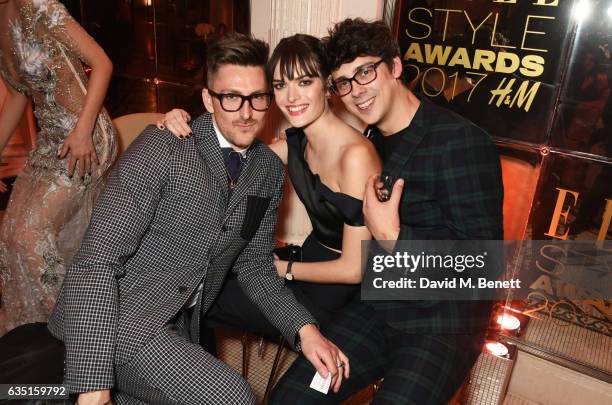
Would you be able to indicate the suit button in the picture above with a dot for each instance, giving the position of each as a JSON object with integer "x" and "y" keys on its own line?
{"x": 225, "y": 228}
{"x": 182, "y": 289}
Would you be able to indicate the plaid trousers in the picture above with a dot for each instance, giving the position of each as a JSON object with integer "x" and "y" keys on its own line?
{"x": 418, "y": 369}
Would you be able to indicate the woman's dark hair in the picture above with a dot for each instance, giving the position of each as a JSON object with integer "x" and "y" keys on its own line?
{"x": 235, "y": 49}
{"x": 298, "y": 55}
{"x": 352, "y": 38}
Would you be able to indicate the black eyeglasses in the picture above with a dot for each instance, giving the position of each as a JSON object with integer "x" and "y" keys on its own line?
{"x": 365, "y": 75}
{"x": 232, "y": 102}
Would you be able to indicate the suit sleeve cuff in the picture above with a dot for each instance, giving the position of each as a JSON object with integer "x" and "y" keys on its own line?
{"x": 295, "y": 342}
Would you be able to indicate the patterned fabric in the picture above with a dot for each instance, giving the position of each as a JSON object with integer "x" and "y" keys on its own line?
{"x": 453, "y": 190}
{"x": 423, "y": 349}
{"x": 165, "y": 223}
{"x": 48, "y": 211}
{"x": 151, "y": 376}
{"x": 233, "y": 163}
{"x": 419, "y": 369}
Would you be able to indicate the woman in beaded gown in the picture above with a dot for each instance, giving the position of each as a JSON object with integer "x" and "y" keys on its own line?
{"x": 41, "y": 53}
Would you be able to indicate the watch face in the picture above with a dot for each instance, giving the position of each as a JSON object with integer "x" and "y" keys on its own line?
{"x": 289, "y": 276}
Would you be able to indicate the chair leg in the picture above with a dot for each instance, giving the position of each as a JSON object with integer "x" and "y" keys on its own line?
{"x": 279, "y": 351}
{"x": 260, "y": 347}
{"x": 245, "y": 354}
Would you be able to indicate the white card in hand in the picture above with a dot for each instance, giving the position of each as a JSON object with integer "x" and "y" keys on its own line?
{"x": 321, "y": 384}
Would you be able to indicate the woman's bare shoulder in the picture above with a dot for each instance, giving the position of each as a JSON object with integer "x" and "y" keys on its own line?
{"x": 280, "y": 148}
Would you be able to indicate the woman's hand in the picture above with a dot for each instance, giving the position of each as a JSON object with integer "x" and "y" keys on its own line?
{"x": 176, "y": 122}
{"x": 79, "y": 143}
{"x": 281, "y": 266}
{"x": 81, "y": 149}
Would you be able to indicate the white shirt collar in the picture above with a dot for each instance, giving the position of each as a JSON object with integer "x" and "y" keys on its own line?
{"x": 224, "y": 143}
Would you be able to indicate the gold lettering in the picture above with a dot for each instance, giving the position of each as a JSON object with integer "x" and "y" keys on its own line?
{"x": 554, "y": 3}
{"x": 484, "y": 58}
{"x": 437, "y": 54}
{"x": 552, "y": 259}
{"x": 533, "y": 66}
{"x": 524, "y": 95}
{"x": 605, "y": 224}
{"x": 502, "y": 94}
{"x": 439, "y": 76}
{"x": 482, "y": 77}
{"x": 414, "y": 52}
{"x": 533, "y": 32}
{"x": 472, "y": 25}
{"x": 542, "y": 283}
{"x": 505, "y": 1}
{"x": 571, "y": 291}
{"x": 558, "y": 213}
{"x": 419, "y": 23}
{"x": 446, "y": 19}
{"x": 501, "y": 65}
{"x": 461, "y": 57}
{"x": 493, "y": 35}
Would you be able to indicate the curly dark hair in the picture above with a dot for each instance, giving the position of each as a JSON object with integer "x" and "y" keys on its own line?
{"x": 352, "y": 38}
{"x": 299, "y": 54}
{"x": 235, "y": 49}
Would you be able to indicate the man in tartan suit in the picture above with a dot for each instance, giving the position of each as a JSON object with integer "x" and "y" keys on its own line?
{"x": 449, "y": 188}
{"x": 174, "y": 219}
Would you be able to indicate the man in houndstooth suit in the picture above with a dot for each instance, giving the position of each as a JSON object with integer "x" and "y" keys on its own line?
{"x": 171, "y": 224}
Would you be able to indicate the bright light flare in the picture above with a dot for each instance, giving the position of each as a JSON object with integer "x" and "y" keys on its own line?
{"x": 582, "y": 10}
{"x": 497, "y": 349}
{"x": 508, "y": 322}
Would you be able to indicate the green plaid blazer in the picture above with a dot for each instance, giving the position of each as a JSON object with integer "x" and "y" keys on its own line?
{"x": 453, "y": 190}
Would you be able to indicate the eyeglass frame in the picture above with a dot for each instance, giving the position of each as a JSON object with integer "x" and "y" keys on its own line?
{"x": 350, "y": 80}
{"x": 219, "y": 96}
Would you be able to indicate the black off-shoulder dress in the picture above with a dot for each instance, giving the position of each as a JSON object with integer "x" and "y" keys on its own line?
{"x": 328, "y": 212}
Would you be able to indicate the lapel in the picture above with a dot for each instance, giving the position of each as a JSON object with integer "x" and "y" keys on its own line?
{"x": 411, "y": 138}
{"x": 210, "y": 151}
{"x": 251, "y": 168}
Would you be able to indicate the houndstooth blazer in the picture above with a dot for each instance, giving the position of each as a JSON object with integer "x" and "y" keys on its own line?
{"x": 166, "y": 222}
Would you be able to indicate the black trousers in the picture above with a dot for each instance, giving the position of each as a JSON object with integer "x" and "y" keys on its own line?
{"x": 29, "y": 354}
{"x": 324, "y": 301}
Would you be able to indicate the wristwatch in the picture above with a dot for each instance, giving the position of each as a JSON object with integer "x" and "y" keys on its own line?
{"x": 288, "y": 273}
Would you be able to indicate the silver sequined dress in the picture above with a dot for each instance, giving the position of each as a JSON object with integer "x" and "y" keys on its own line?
{"x": 48, "y": 211}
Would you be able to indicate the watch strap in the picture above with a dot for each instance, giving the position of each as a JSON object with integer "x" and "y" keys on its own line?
{"x": 288, "y": 273}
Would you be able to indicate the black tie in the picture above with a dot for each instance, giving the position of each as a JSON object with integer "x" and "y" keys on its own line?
{"x": 233, "y": 164}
